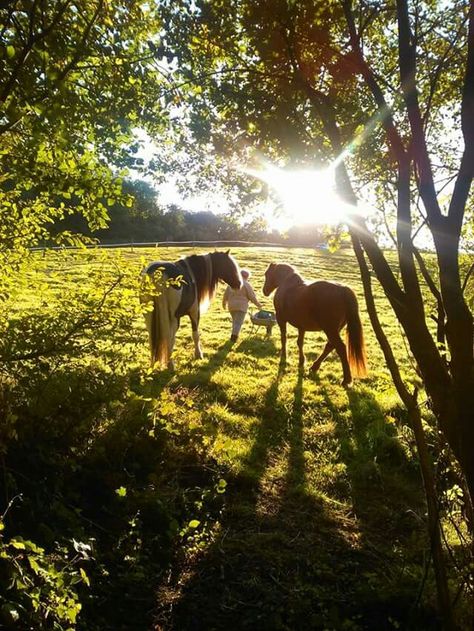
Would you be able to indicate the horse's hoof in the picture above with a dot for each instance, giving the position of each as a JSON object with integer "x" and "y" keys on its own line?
{"x": 347, "y": 384}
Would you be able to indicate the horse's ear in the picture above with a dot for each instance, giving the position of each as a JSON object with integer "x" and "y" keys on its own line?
{"x": 228, "y": 252}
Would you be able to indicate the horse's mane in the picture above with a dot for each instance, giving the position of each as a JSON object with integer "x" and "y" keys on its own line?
{"x": 286, "y": 266}
{"x": 289, "y": 271}
{"x": 205, "y": 276}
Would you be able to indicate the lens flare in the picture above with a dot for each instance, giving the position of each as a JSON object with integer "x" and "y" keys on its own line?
{"x": 307, "y": 196}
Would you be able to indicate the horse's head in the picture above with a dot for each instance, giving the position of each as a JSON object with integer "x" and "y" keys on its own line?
{"x": 270, "y": 280}
{"x": 275, "y": 274}
{"x": 227, "y": 269}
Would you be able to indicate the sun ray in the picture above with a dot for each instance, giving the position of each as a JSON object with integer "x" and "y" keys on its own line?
{"x": 308, "y": 196}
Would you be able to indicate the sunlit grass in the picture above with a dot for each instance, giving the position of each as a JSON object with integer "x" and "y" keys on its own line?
{"x": 314, "y": 471}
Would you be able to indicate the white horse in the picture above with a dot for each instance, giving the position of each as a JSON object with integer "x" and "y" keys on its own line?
{"x": 182, "y": 288}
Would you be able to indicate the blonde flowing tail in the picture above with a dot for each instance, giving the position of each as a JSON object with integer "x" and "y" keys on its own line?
{"x": 355, "y": 336}
{"x": 155, "y": 295}
{"x": 160, "y": 330}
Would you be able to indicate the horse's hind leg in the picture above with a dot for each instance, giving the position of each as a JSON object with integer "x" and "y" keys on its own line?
{"x": 198, "y": 354}
{"x": 342, "y": 352}
{"x": 174, "y": 326}
{"x": 301, "y": 333}
{"x": 194, "y": 317}
{"x": 317, "y": 364}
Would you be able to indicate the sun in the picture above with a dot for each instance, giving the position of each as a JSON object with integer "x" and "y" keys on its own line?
{"x": 307, "y": 196}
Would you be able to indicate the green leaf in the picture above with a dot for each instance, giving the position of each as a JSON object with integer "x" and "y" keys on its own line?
{"x": 19, "y": 545}
{"x": 85, "y": 578}
{"x": 194, "y": 523}
{"x": 11, "y": 611}
{"x": 34, "y": 565}
{"x": 221, "y": 486}
{"x": 10, "y": 51}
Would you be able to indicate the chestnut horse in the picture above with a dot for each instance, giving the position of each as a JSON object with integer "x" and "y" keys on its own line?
{"x": 183, "y": 288}
{"x": 319, "y": 306}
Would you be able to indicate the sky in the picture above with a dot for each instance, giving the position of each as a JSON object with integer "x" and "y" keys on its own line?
{"x": 300, "y": 197}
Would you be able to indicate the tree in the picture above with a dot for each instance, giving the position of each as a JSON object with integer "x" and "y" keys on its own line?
{"x": 75, "y": 79}
{"x": 384, "y": 91}
{"x": 283, "y": 75}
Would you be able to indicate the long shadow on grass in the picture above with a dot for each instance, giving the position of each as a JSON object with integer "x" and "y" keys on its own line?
{"x": 296, "y": 465}
{"x": 281, "y": 561}
{"x": 201, "y": 373}
{"x": 373, "y": 455}
{"x": 386, "y": 496}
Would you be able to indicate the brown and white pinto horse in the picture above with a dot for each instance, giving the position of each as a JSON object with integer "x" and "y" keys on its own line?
{"x": 182, "y": 288}
{"x": 319, "y": 306}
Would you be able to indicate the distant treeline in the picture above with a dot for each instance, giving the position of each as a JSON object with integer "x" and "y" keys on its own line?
{"x": 145, "y": 221}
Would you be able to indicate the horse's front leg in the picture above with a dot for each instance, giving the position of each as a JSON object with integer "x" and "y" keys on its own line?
{"x": 301, "y": 361}
{"x": 282, "y": 325}
{"x": 194, "y": 316}
{"x": 198, "y": 354}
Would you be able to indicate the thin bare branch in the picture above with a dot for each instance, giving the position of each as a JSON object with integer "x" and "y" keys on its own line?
{"x": 407, "y": 61}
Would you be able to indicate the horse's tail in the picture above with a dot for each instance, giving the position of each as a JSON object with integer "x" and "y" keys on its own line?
{"x": 160, "y": 330}
{"x": 155, "y": 295}
{"x": 355, "y": 336}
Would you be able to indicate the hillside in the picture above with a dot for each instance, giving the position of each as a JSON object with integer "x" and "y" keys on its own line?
{"x": 227, "y": 495}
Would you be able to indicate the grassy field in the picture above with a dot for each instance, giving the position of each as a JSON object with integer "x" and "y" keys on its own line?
{"x": 229, "y": 494}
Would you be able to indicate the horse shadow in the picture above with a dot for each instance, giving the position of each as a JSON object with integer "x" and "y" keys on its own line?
{"x": 296, "y": 462}
{"x": 257, "y": 346}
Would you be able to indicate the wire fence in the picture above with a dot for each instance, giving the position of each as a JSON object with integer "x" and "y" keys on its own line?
{"x": 178, "y": 244}
{"x": 328, "y": 267}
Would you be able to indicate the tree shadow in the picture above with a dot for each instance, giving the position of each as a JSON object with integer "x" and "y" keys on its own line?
{"x": 388, "y": 503}
{"x": 282, "y": 560}
{"x": 369, "y": 445}
{"x": 202, "y": 371}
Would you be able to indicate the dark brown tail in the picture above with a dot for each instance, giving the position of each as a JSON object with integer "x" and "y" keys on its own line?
{"x": 355, "y": 336}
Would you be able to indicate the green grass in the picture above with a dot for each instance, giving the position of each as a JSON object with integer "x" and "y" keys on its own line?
{"x": 321, "y": 525}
